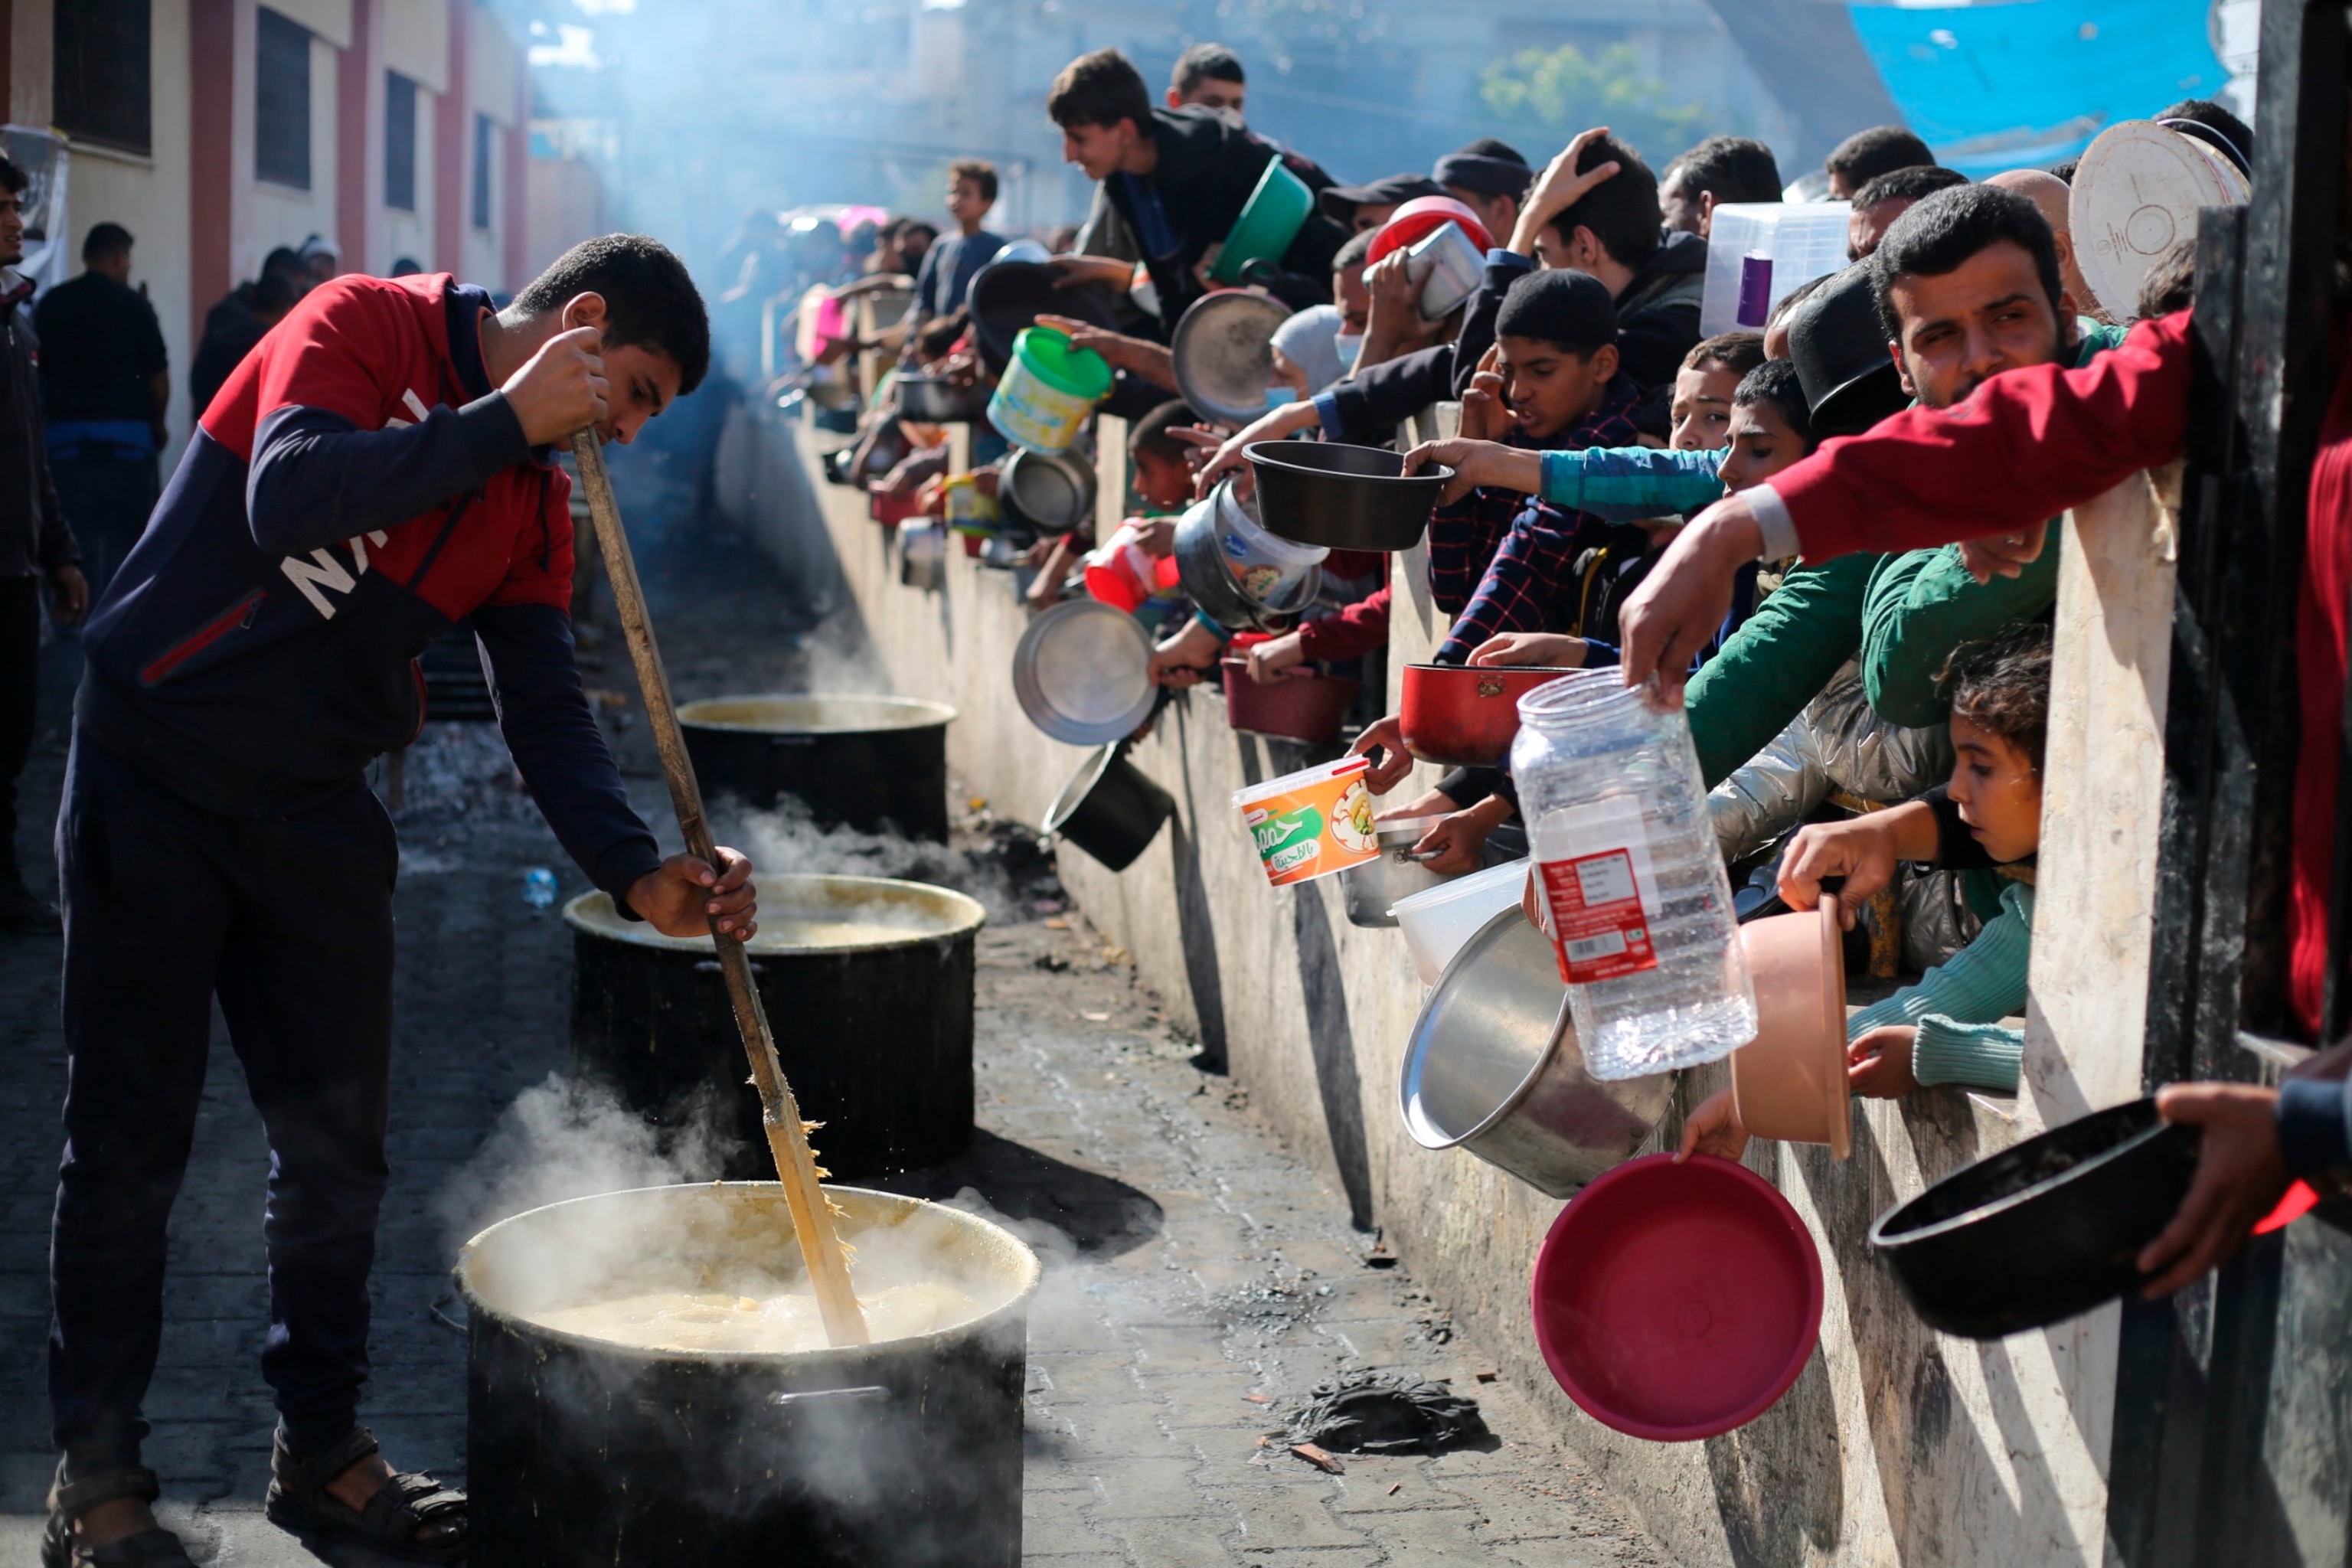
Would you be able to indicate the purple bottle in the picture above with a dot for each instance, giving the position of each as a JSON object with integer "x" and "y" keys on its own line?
{"x": 1755, "y": 289}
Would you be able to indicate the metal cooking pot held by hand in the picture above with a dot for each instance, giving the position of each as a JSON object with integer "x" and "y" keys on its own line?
{"x": 1054, "y": 491}
{"x": 1374, "y": 887}
{"x": 1082, "y": 671}
{"x": 1464, "y": 715}
{"x": 1208, "y": 579}
{"x": 1493, "y": 1066}
{"x": 1110, "y": 808}
{"x": 1223, "y": 355}
{"x": 1349, "y": 498}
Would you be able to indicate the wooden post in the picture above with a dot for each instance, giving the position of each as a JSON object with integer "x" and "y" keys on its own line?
{"x": 845, "y": 1323}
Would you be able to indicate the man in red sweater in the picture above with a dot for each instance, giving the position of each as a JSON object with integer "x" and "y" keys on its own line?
{"x": 2023, "y": 446}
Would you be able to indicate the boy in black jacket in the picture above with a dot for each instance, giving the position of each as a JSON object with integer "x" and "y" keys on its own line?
{"x": 1179, "y": 177}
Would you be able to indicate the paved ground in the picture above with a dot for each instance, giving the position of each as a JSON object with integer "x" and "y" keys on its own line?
{"x": 1200, "y": 1277}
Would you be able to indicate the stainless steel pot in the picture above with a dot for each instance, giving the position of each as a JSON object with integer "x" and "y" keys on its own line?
{"x": 1210, "y": 582}
{"x": 1055, "y": 491}
{"x": 1493, "y": 1067}
{"x": 1222, "y": 352}
{"x": 922, "y": 553}
{"x": 1372, "y": 887}
{"x": 1082, "y": 671}
{"x": 1450, "y": 266}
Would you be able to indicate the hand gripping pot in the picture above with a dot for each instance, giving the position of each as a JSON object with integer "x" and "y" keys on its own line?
{"x": 1638, "y": 903}
{"x": 1311, "y": 823}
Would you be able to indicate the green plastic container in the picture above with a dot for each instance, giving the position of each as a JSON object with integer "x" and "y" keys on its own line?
{"x": 1047, "y": 391}
{"x": 1270, "y": 220}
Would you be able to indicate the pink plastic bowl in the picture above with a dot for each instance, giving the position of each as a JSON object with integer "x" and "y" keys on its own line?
{"x": 1675, "y": 1303}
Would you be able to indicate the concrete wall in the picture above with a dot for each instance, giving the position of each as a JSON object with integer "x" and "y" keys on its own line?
{"x": 1896, "y": 1446}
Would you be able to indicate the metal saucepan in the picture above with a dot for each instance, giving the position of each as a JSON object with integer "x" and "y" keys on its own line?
{"x": 1110, "y": 808}
{"x": 936, "y": 400}
{"x": 1493, "y": 1066}
{"x": 1376, "y": 884}
{"x": 1082, "y": 671}
{"x": 1223, "y": 355}
{"x": 1349, "y": 498}
{"x": 1464, "y": 715}
{"x": 922, "y": 553}
{"x": 2043, "y": 1230}
{"x": 1450, "y": 266}
{"x": 1209, "y": 580}
{"x": 1054, "y": 491}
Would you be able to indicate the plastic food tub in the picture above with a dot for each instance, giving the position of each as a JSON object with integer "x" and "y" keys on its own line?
{"x": 1438, "y": 922}
{"x": 1311, "y": 823}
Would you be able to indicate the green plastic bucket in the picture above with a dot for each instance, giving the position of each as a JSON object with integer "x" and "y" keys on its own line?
{"x": 1047, "y": 390}
{"x": 1271, "y": 218}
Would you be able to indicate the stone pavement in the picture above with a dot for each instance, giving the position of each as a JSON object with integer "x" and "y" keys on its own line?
{"x": 1195, "y": 1269}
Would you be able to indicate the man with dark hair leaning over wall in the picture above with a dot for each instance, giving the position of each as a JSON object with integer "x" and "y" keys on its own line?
{"x": 1720, "y": 169}
{"x": 1866, "y": 154}
{"x": 380, "y": 467}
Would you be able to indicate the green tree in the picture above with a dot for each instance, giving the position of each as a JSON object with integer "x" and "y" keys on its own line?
{"x": 1565, "y": 91}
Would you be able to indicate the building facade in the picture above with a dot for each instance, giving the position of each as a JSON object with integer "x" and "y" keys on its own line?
{"x": 217, "y": 130}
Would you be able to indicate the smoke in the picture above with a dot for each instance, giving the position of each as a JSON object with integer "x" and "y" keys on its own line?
{"x": 563, "y": 1139}
{"x": 789, "y": 840}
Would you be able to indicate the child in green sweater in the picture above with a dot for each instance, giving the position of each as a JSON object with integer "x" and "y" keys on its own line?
{"x": 1946, "y": 1029}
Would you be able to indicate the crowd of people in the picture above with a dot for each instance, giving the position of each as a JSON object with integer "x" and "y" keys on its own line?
{"x": 1867, "y": 698}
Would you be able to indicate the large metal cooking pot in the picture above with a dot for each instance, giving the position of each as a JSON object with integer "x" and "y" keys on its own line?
{"x": 869, "y": 986}
{"x": 1208, "y": 580}
{"x": 587, "y": 1453}
{"x": 1349, "y": 498}
{"x": 1222, "y": 352}
{"x": 857, "y": 761}
{"x": 1082, "y": 672}
{"x": 936, "y": 400}
{"x": 1493, "y": 1066}
{"x": 1375, "y": 886}
{"x": 1464, "y": 715}
{"x": 1110, "y": 808}
{"x": 1054, "y": 491}
{"x": 2045, "y": 1229}
{"x": 1007, "y": 297}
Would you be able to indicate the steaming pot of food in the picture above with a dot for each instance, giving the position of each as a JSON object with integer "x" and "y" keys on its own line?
{"x": 869, "y": 982}
{"x": 647, "y": 1383}
{"x": 866, "y": 763}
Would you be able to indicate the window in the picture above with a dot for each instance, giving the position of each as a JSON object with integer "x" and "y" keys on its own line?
{"x": 281, "y": 109}
{"x": 399, "y": 142}
{"x": 482, "y": 171}
{"x": 101, "y": 64}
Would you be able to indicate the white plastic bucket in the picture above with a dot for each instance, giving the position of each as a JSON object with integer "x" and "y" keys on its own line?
{"x": 1437, "y": 923}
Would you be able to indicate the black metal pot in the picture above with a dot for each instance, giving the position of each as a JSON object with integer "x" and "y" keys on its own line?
{"x": 869, "y": 984}
{"x": 584, "y": 1454}
{"x": 866, "y": 763}
{"x": 2044, "y": 1230}
{"x": 1007, "y": 297}
{"x": 1349, "y": 498}
{"x": 1110, "y": 808}
{"x": 936, "y": 400}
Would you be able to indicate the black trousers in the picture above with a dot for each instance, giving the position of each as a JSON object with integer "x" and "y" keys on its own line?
{"x": 288, "y": 921}
{"x": 107, "y": 492}
{"x": 20, "y": 682}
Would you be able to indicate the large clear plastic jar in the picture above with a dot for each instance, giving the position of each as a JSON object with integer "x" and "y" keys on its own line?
{"x": 1639, "y": 905}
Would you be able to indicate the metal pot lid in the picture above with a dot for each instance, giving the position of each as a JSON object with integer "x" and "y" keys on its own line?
{"x": 813, "y": 713}
{"x": 805, "y": 914}
{"x": 1083, "y": 672}
{"x": 1223, "y": 355}
{"x": 2137, "y": 191}
{"x": 1053, "y": 491}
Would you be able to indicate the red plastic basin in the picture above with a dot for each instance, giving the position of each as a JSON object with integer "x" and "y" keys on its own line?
{"x": 1675, "y": 1303}
{"x": 1307, "y": 708}
{"x": 1464, "y": 715}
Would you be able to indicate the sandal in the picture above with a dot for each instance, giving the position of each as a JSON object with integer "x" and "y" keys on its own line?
{"x": 69, "y": 1501}
{"x": 413, "y": 1517}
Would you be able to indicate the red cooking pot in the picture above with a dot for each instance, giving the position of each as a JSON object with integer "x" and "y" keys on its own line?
{"x": 1306, "y": 708}
{"x": 891, "y": 510}
{"x": 1464, "y": 715}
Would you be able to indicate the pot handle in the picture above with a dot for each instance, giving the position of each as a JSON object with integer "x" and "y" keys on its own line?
{"x": 866, "y": 1391}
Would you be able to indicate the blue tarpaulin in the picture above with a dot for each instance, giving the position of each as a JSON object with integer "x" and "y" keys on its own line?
{"x": 1994, "y": 86}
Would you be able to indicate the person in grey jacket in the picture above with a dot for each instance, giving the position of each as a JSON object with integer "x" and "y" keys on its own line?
{"x": 35, "y": 543}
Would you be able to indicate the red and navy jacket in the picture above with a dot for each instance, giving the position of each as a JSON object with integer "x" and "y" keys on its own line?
{"x": 355, "y": 489}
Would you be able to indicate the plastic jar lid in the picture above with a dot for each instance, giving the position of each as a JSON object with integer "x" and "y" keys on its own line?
{"x": 1046, "y": 354}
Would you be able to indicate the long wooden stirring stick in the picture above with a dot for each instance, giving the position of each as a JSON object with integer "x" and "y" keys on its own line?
{"x": 845, "y": 1321}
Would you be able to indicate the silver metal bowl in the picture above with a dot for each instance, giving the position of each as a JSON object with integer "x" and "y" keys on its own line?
{"x": 1082, "y": 671}
{"x": 1493, "y": 1067}
{"x": 1376, "y": 884}
{"x": 1055, "y": 491}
